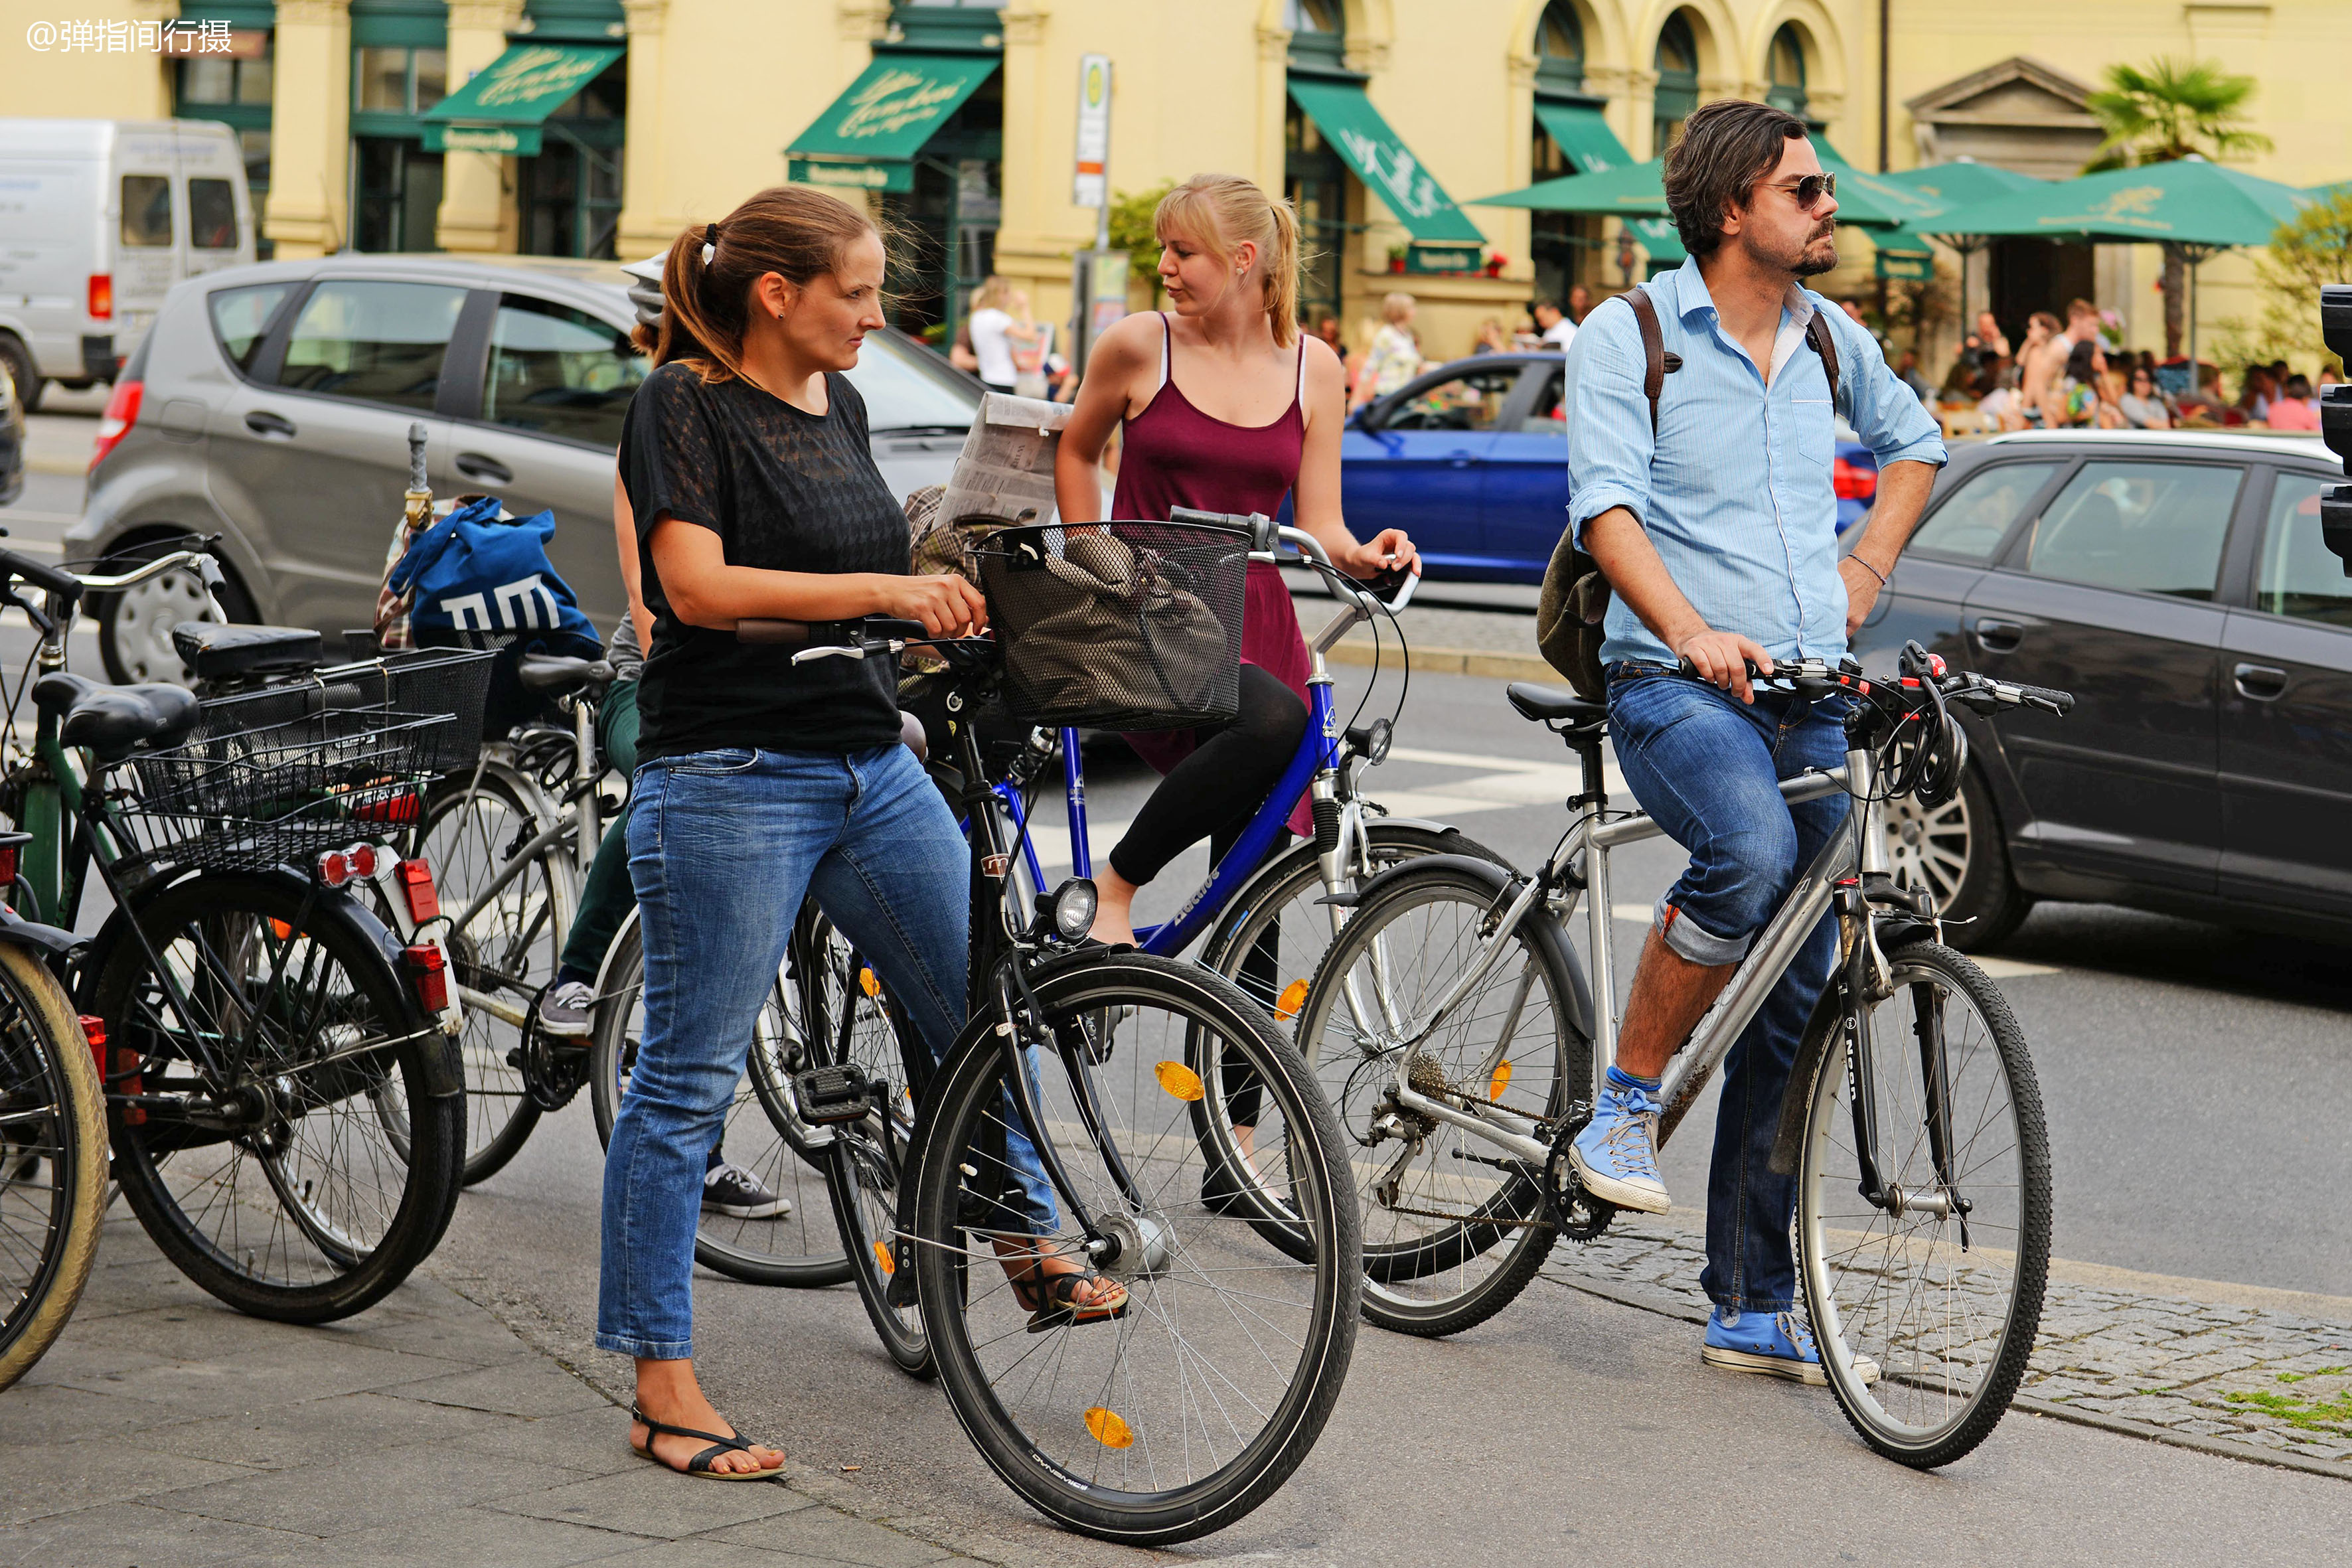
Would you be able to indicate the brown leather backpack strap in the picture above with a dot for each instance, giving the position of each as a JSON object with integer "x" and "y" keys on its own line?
{"x": 1817, "y": 332}
{"x": 1653, "y": 349}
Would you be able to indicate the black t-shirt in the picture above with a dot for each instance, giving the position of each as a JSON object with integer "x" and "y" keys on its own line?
{"x": 785, "y": 491}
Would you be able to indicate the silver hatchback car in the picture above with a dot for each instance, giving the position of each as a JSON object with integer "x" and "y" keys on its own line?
{"x": 271, "y": 404}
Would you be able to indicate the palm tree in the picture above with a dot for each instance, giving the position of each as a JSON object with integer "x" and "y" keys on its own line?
{"x": 2169, "y": 111}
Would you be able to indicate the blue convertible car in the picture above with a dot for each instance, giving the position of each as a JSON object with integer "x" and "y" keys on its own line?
{"x": 1471, "y": 458}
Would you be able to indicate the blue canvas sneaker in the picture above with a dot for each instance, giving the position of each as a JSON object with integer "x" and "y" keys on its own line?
{"x": 1616, "y": 1155}
{"x": 1779, "y": 1344}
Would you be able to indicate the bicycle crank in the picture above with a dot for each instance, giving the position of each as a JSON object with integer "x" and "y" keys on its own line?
{"x": 1579, "y": 1216}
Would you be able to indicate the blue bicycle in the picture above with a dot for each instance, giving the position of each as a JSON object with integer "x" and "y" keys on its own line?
{"x": 1263, "y": 920}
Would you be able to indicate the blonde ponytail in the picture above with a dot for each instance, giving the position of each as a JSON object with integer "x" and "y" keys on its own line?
{"x": 1220, "y": 212}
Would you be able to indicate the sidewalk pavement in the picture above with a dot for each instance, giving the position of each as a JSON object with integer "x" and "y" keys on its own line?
{"x": 164, "y": 1428}
{"x": 2238, "y": 1371}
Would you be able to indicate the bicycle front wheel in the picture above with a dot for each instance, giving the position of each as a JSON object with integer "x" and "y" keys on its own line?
{"x": 1186, "y": 1412}
{"x": 1924, "y": 1302}
{"x": 311, "y": 1166}
{"x": 52, "y": 1160}
{"x": 793, "y": 1244}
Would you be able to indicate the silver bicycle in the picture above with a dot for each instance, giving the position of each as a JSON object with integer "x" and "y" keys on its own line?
{"x": 1453, "y": 1028}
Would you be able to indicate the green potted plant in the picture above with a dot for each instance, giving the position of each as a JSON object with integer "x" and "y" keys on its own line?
{"x": 1396, "y": 258}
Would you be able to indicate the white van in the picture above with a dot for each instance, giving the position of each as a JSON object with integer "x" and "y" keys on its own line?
{"x": 97, "y": 219}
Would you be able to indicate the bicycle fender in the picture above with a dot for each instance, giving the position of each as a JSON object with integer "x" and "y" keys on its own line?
{"x": 1796, "y": 1097}
{"x": 15, "y": 931}
{"x": 1500, "y": 879}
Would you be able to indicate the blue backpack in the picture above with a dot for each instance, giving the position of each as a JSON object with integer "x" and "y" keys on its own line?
{"x": 473, "y": 580}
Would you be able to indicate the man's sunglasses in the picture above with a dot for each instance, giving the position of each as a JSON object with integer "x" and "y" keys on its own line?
{"x": 1809, "y": 190}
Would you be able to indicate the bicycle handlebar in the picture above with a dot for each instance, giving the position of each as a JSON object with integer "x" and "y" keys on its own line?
{"x": 50, "y": 579}
{"x": 1265, "y": 538}
{"x": 1814, "y": 677}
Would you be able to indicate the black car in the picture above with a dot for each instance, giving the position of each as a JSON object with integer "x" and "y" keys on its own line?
{"x": 2177, "y": 584}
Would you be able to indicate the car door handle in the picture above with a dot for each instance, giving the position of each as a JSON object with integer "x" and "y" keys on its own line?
{"x": 262, "y": 422}
{"x": 1997, "y": 637}
{"x": 1460, "y": 460}
{"x": 2261, "y": 683}
{"x": 490, "y": 470}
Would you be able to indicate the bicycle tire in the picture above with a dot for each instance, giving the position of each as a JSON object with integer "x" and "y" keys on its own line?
{"x": 789, "y": 1254}
{"x": 1046, "y": 1453}
{"x": 45, "y": 1064}
{"x": 1993, "y": 1085}
{"x": 1435, "y": 1279}
{"x": 466, "y": 854}
{"x": 250, "y": 935}
{"x": 867, "y": 1162}
{"x": 1285, "y": 900}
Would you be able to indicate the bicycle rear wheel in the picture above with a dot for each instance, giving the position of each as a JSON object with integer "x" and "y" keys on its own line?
{"x": 503, "y": 954}
{"x": 867, "y": 1162}
{"x": 1185, "y": 1414}
{"x": 52, "y": 1160}
{"x": 1943, "y": 1304}
{"x": 1454, "y": 1228}
{"x": 309, "y": 1179}
{"x": 763, "y": 1132}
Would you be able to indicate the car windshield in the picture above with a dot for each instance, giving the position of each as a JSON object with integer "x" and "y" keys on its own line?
{"x": 903, "y": 393}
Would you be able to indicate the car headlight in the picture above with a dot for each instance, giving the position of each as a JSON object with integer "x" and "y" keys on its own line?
{"x": 1073, "y": 907}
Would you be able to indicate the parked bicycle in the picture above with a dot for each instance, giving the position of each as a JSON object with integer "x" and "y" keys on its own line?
{"x": 282, "y": 1097}
{"x": 1453, "y": 1024}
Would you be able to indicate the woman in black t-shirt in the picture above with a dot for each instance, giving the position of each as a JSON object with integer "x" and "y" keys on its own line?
{"x": 747, "y": 463}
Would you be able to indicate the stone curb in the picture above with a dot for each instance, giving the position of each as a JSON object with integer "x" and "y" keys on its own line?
{"x": 1455, "y": 661}
{"x": 1667, "y": 1306}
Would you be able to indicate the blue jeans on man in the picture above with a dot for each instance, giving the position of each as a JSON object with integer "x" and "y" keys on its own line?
{"x": 1707, "y": 767}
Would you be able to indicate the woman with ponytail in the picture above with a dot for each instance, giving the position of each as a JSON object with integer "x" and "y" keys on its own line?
{"x": 749, "y": 472}
{"x": 1226, "y": 406}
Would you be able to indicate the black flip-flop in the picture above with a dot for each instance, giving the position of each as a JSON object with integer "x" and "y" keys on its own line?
{"x": 1053, "y": 1298}
{"x": 699, "y": 1465}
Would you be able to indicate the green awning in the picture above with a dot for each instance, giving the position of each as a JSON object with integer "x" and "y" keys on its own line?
{"x": 1385, "y": 164}
{"x": 868, "y": 138}
{"x": 502, "y": 109}
{"x": 1592, "y": 147}
{"x": 1658, "y": 237}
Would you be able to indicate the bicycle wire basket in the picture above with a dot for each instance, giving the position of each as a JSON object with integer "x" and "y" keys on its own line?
{"x": 280, "y": 775}
{"x": 1117, "y": 626}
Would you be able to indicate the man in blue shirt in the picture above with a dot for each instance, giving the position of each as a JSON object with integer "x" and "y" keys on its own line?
{"x": 1718, "y": 534}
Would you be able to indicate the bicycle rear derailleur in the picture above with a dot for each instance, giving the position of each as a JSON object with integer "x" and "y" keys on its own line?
{"x": 1573, "y": 1212}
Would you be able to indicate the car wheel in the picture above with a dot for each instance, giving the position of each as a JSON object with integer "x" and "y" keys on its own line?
{"x": 21, "y": 372}
{"x": 1957, "y": 851}
{"x": 134, "y": 626}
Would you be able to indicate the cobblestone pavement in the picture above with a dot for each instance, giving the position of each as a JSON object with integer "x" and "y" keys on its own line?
{"x": 2252, "y": 1374}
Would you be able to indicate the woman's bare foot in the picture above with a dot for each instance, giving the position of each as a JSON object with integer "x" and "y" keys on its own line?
{"x": 1030, "y": 1267}
{"x": 667, "y": 1392}
{"x": 1114, "y": 908}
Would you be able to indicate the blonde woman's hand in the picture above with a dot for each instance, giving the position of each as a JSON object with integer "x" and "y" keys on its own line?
{"x": 1391, "y": 549}
{"x": 946, "y": 605}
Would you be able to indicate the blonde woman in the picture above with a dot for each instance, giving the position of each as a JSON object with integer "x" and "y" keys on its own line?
{"x": 991, "y": 326}
{"x": 1029, "y": 342}
{"x": 1394, "y": 357}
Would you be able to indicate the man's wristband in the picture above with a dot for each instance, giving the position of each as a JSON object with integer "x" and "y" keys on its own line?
{"x": 1869, "y": 568}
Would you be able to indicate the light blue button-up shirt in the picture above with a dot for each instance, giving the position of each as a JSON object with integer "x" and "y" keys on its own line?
{"x": 1734, "y": 491}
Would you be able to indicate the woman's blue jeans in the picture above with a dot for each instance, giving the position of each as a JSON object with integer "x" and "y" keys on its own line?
{"x": 723, "y": 846}
{"x": 1707, "y": 768}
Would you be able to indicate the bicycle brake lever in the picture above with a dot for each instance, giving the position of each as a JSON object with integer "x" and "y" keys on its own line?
{"x": 41, "y": 622}
{"x": 832, "y": 650}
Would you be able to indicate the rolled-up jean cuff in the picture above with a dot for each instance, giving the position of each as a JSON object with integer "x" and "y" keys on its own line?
{"x": 646, "y": 1350}
{"x": 1694, "y": 942}
{"x": 1747, "y": 1304}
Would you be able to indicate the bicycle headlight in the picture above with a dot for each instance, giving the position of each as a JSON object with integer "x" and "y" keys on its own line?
{"x": 1073, "y": 909}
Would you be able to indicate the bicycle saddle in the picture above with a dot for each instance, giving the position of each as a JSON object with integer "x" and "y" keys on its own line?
{"x": 112, "y": 720}
{"x": 217, "y": 652}
{"x": 546, "y": 672}
{"x": 1549, "y": 703}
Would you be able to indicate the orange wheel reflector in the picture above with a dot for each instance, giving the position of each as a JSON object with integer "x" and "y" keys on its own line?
{"x": 1184, "y": 1084}
{"x": 283, "y": 932}
{"x": 1109, "y": 1429}
{"x": 1293, "y": 997}
{"x": 887, "y": 1264}
{"x": 1500, "y": 1081}
{"x": 867, "y": 983}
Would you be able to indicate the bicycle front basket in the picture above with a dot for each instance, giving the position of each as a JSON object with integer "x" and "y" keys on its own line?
{"x": 1118, "y": 625}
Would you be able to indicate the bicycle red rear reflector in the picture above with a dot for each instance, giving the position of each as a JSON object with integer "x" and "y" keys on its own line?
{"x": 1852, "y": 481}
{"x": 117, "y": 1070}
{"x": 363, "y": 859}
{"x": 9, "y": 863}
{"x": 428, "y": 975}
{"x": 416, "y": 887}
{"x": 334, "y": 868}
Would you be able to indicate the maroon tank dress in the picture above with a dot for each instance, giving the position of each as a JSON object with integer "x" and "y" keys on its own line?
{"x": 1173, "y": 455}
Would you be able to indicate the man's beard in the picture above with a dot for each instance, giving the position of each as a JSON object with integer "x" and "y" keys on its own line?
{"x": 1801, "y": 262}
{"x": 1808, "y": 264}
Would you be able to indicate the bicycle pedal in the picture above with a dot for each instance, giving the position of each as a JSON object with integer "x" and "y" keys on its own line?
{"x": 832, "y": 1093}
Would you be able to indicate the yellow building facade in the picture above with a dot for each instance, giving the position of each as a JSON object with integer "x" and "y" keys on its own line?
{"x": 686, "y": 106}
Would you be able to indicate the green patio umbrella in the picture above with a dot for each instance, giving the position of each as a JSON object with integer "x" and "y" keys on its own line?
{"x": 1951, "y": 186}
{"x": 2191, "y": 207}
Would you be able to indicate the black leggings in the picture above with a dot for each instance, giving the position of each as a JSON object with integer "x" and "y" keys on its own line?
{"x": 1213, "y": 793}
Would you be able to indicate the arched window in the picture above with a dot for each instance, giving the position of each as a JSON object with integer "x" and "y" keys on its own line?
{"x": 1560, "y": 49}
{"x": 1318, "y": 32}
{"x": 1787, "y": 65}
{"x": 1678, "y": 94}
